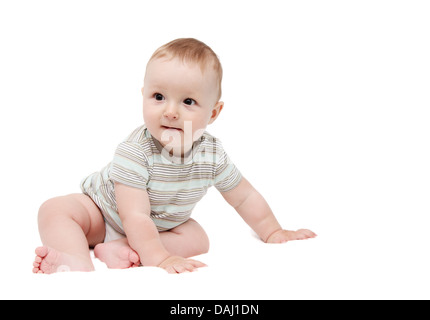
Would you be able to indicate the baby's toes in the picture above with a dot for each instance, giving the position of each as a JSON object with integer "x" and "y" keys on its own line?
{"x": 36, "y": 264}
{"x": 134, "y": 258}
{"x": 36, "y": 267}
{"x": 41, "y": 252}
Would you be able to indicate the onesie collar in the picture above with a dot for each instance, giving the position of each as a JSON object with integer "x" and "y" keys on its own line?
{"x": 186, "y": 159}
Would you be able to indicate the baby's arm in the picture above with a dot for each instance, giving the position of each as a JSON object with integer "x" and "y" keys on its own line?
{"x": 142, "y": 234}
{"x": 253, "y": 208}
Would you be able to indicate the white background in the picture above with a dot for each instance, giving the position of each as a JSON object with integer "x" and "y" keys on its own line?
{"x": 326, "y": 113}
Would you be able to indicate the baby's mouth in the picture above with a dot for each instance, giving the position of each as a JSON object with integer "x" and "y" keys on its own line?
{"x": 170, "y": 128}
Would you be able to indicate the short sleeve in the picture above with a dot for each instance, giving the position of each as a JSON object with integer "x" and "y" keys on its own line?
{"x": 227, "y": 176}
{"x": 130, "y": 165}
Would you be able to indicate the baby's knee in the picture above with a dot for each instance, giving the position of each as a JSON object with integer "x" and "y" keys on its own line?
{"x": 197, "y": 238}
{"x": 47, "y": 209}
{"x": 53, "y": 208}
{"x": 201, "y": 242}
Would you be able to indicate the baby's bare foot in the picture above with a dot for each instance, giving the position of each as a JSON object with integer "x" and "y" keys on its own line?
{"x": 117, "y": 255}
{"x": 50, "y": 261}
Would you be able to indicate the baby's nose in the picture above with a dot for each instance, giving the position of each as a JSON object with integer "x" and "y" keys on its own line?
{"x": 171, "y": 112}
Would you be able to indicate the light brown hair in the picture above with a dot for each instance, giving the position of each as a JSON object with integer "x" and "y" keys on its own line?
{"x": 192, "y": 50}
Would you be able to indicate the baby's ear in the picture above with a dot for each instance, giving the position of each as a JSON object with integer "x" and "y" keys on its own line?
{"x": 216, "y": 111}
{"x": 141, "y": 90}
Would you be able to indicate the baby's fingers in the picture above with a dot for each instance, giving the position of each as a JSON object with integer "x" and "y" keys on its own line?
{"x": 170, "y": 270}
{"x": 183, "y": 268}
{"x": 178, "y": 268}
{"x": 189, "y": 266}
{"x": 180, "y": 265}
{"x": 196, "y": 264}
{"x": 306, "y": 233}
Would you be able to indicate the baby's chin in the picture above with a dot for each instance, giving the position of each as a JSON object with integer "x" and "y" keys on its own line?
{"x": 172, "y": 138}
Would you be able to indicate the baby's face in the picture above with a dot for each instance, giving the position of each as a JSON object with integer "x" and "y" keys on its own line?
{"x": 179, "y": 101}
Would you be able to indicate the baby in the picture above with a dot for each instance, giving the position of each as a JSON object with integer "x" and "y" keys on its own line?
{"x": 136, "y": 210}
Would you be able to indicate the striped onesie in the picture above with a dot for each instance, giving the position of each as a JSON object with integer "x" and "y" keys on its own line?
{"x": 174, "y": 185}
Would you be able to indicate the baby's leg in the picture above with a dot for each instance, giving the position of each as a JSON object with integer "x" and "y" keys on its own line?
{"x": 68, "y": 225}
{"x": 187, "y": 240}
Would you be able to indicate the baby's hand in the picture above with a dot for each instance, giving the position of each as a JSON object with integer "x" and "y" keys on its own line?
{"x": 176, "y": 264}
{"x": 287, "y": 235}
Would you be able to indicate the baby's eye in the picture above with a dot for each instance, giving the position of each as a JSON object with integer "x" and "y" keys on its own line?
{"x": 189, "y": 101}
{"x": 158, "y": 97}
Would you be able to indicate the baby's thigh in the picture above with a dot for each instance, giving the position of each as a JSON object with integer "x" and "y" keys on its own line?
{"x": 81, "y": 209}
{"x": 193, "y": 232}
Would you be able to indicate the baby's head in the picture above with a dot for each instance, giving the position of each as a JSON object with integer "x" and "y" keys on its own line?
{"x": 193, "y": 51}
{"x": 181, "y": 92}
